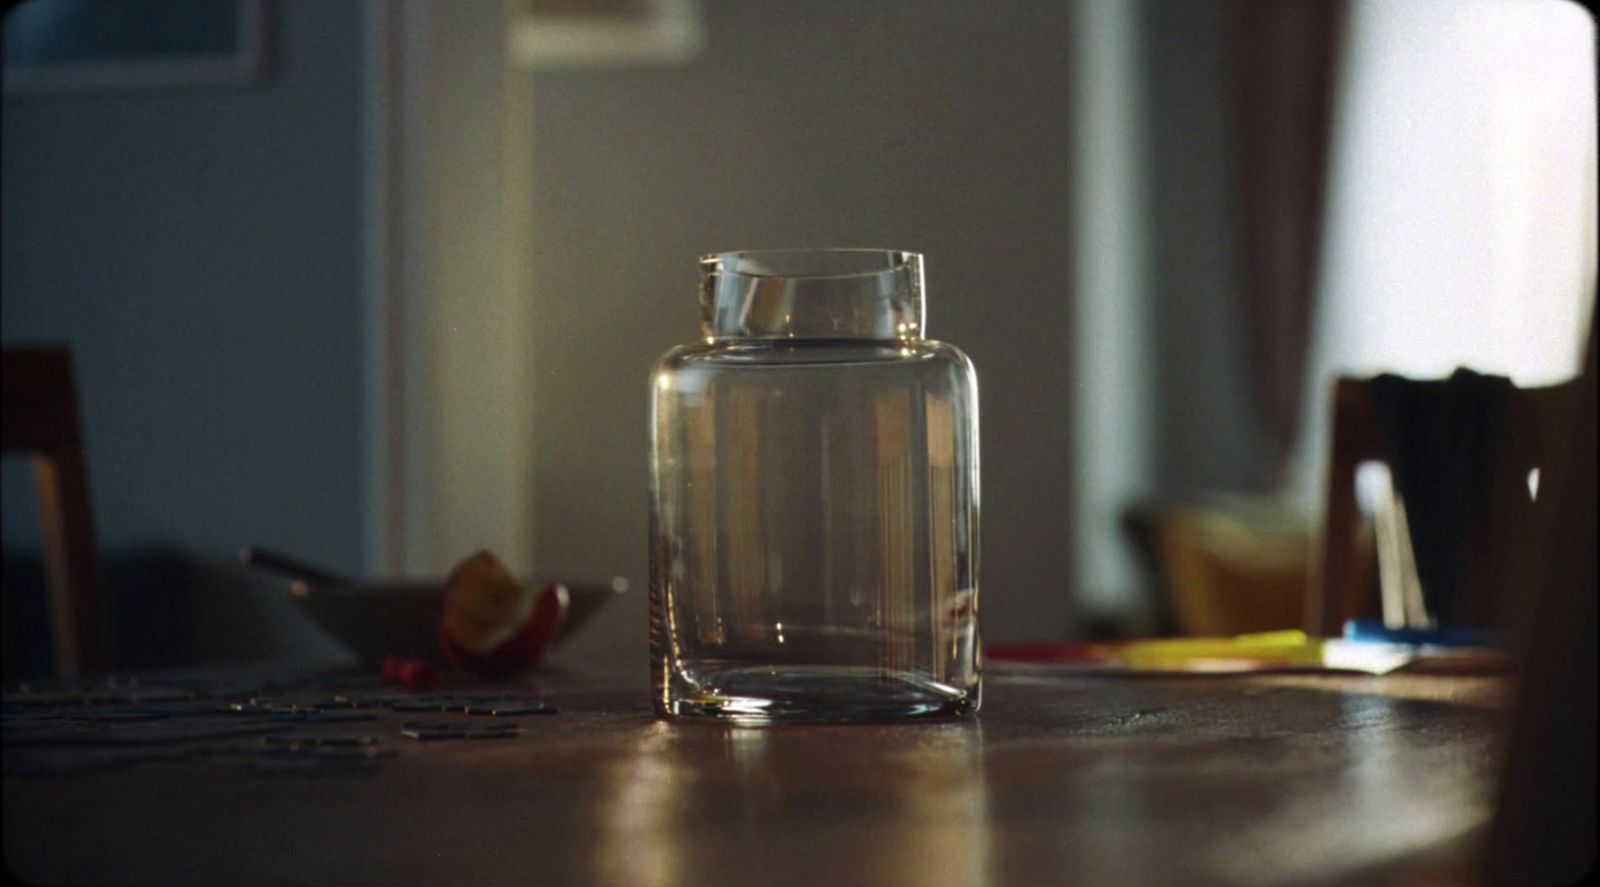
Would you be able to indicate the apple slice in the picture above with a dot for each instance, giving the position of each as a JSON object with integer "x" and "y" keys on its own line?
{"x": 494, "y": 626}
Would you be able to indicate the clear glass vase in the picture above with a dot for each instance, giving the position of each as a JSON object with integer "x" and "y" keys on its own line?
{"x": 814, "y": 498}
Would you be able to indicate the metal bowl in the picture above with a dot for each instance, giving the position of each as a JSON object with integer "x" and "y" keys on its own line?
{"x": 377, "y": 619}
{"x": 381, "y": 619}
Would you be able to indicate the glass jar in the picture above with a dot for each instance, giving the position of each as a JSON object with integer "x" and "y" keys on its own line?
{"x": 814, "y": 498}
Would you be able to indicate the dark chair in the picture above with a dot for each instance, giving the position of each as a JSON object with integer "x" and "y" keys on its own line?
{"x": 41, "y": 418}
{"x": 1338, "y": 589}
{"x": 1544, "y": 830}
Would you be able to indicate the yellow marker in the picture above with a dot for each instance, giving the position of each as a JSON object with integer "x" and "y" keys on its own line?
{"x": 1291, "y": 647}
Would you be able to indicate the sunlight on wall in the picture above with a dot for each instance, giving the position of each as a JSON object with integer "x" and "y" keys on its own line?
{"x": 1461, "y": 215}
{"x": 1112, "y": 466}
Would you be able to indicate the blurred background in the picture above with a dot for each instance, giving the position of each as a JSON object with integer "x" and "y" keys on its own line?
{"x": 380, "y": 283}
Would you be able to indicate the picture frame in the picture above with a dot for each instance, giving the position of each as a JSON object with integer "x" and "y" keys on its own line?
{"x": 110, "y": 46}
{"x": 554, "y": 34}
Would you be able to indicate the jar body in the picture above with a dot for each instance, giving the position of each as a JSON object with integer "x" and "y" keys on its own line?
{"x": 814, "y": 532}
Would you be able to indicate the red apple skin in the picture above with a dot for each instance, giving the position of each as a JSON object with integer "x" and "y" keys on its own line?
{"x": 521, "y": 651}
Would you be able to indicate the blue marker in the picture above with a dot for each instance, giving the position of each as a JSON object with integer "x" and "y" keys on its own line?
{"x": 1374, "y": 631}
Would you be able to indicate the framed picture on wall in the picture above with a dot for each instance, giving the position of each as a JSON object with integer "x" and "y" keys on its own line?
{"x": 599, "y": 33}
{"x": 94, "y": 46}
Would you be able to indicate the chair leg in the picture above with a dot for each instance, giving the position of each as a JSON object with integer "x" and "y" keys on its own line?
{"x": 76, "y": 619}
{"x": 8, "y": 642}
{"x": 1335, "y": 585}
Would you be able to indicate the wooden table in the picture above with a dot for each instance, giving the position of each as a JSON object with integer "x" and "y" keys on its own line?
{"x": 1291, "y": 779}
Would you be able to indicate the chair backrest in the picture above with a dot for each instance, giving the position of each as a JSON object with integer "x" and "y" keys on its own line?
{"x": 41, "y": 418}
{"x": 1336, "y": 590}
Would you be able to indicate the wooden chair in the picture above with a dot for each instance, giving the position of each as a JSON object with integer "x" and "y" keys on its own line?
{"x": 1221, "y": 569}
{"x": 1544, "y": 830}
{"x": 1338, "y": 589}
{"x": 41, "y": 418}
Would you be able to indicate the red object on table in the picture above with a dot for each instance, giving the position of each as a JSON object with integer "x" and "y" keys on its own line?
{"x": 416, "y": 675}
{"x": 1051, "y": 652}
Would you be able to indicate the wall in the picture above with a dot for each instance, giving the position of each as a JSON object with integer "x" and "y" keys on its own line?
{"x": 200, "y": 249}
{"x": 939, "y": 127}
{"x": 1205, "y": 429}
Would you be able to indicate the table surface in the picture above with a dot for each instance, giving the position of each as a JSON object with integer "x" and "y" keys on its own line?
{"x": 1285, "y": 779}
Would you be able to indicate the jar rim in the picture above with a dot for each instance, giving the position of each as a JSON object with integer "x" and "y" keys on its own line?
{"x": 796, "y": 260}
